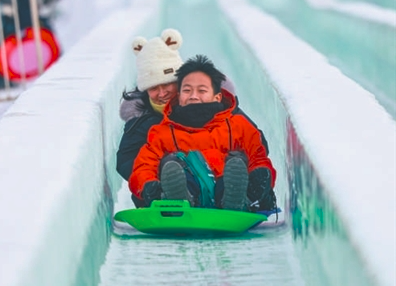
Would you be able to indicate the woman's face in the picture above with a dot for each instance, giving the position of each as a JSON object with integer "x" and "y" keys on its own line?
{"x": 162, "y": 93}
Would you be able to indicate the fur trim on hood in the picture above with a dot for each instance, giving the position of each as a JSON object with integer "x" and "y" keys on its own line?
{"x": 130, "y": 109}
{"x": 134, "y": 104}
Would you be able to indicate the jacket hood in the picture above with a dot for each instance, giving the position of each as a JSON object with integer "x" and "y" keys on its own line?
{"x": 136, "y": 104}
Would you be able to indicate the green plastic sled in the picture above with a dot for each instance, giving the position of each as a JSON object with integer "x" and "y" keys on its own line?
{"x": 176, "y": 217}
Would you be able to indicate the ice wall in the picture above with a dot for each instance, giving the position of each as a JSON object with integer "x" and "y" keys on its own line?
{"x": 357, "y": 38}
{"x": 57, "y": 159}
{"x": 347, "y": 140}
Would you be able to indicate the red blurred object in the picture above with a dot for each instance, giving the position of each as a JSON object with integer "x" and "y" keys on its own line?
{"x": 50, "y": 53}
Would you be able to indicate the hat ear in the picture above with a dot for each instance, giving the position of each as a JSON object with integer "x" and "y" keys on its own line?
{"x": 138, "y": 43}
{"x": 172, "y": 38}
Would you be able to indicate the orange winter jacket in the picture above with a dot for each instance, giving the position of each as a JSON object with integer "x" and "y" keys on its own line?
{"x": 224, "y": 133}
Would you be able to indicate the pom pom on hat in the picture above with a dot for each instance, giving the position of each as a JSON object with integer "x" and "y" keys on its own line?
{"x": 172, "y": 38}
{"x": 138, "y": 44}
{"x": 157, "y": 59}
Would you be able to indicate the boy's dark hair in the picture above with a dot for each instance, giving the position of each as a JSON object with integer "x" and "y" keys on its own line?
{"x": 201, "y": 63}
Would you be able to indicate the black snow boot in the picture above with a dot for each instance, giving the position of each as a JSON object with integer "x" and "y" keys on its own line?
{"x": 235, "y": 184}
{"x": 260, "y": 192}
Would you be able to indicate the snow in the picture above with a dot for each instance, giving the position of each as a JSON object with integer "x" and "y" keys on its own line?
{"x": 56, "y": 157}
{"x": 362, "y": 10}
{"x": 4, "y": 106}
{"x": 352, "y": 146}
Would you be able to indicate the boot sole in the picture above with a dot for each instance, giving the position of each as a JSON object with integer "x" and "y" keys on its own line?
{"x": 236, "y": 179}
{"x": 174, "y": 183}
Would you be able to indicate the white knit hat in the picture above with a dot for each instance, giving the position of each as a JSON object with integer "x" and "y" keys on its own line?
{"x": 158, "y": 59}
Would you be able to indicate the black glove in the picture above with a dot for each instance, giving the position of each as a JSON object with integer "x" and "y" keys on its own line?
{"x": 260, "y": 192}
{"x": 151, "y": 191}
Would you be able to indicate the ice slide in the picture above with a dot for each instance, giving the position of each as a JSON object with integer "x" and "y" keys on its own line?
{"x": 59, "y": 186}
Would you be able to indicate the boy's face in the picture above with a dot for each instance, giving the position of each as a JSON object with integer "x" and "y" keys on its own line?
{"x": 196, "y": 87}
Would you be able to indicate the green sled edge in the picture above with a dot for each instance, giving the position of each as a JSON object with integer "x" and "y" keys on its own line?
{"x": 177, "y": 217}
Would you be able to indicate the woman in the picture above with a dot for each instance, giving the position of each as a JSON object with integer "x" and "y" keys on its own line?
{"x": 157, "y": 61}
